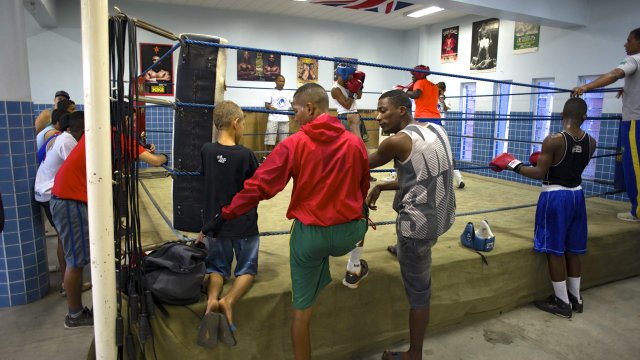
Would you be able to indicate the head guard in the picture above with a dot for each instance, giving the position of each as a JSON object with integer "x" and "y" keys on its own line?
{"x": 344, "y": 71}
{"x": 420, "y": 75}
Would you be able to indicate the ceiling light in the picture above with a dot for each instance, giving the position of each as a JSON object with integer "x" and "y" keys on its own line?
{"x": 425, "y": 12}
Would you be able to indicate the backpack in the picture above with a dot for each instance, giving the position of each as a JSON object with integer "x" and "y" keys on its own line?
{"x": 174, "y": 273}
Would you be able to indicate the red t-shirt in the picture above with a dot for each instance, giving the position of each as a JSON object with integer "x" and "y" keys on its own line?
{"x": 71, "y": 180}
{"x": 427, "y": 103}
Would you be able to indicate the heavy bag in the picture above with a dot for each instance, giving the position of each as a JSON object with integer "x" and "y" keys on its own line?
{"x": 200, "y": 80}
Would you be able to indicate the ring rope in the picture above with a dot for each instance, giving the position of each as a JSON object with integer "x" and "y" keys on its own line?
{"x": 364, "y": 63}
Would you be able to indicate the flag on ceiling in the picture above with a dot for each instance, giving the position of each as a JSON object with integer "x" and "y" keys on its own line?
{"x": 379, "y": 6}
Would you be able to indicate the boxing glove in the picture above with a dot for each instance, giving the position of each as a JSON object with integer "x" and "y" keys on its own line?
{"x": 360, "y": 75}
{"x": 533, "y": 159}
{"x": 505, "y": 161}
{"x": 354, "y": 85}
{"x": 409, "y": 87}
{"x": 398, "y": 87}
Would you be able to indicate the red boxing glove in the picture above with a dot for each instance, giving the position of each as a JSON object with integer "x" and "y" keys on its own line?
{"x": 505, "y": 161}
{"x": 398, "y": 87}
{"x": 354, "y": 85}
{"x": 360, "y": 75}
{"x": 533, "y": 159}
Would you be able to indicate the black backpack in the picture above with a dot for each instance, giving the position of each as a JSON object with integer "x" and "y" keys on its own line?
{"x": 174, "y": 273}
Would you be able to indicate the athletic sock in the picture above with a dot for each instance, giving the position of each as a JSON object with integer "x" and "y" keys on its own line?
{"x": 457, "y": 175}
{"x": 353, "y": 265}
{"x": 560, "y": 288}
{"x": 573, "y": 283}
{"x": 74, "y": 313}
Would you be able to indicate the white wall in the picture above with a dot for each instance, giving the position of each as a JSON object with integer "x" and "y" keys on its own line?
{"x": 563, "y": 54}
{"x": 49, "y": 73}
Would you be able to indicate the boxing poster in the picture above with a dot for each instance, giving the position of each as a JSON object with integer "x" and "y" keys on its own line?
{"x": 307, "y": 71}
{"x": 449, "y": 48}
{"x": 484, "y": 46}
{"x": 257, "y": 66}
{"x": 526, "y": 38}
{"x": 158, "y": 81}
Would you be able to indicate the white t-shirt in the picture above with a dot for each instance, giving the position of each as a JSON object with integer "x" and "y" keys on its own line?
{"x": 631, "y": 99}
{"x": 47, "y": 171}
{"x": 280, "y": 100}
{"x": 341, "y": 109}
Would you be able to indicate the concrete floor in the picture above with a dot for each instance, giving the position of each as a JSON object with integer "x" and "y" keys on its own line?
{"x": 608, "y": 329}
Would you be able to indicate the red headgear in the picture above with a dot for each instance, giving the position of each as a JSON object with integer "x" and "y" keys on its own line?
{"x": 420, "y": 75}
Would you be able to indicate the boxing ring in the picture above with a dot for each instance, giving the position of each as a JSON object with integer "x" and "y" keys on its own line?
{"x": 467, "y": 285}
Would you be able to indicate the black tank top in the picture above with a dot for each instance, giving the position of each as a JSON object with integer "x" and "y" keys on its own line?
{"x": 568, "y": 172}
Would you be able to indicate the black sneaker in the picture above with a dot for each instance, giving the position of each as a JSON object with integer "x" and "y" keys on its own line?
{"x": 576, "y": 305}
{"x": 555, "y": 306}
{"x": 83, "y": 320}
{"x": 352, "y": 280}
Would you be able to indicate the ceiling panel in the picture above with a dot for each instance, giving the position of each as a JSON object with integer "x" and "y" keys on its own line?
{"x": 395, "y": 20}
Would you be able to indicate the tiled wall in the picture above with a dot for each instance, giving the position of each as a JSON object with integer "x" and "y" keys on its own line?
{"x": 24, "y": 275}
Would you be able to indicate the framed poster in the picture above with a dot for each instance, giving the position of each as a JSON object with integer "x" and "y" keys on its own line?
{"x": 484, "y": 45}
{"x": 158, "y": 81}
{"x": 526, "y": 38}
{"x": 257, "y": 66}
{"x": 307, "y": 71}
{"x": 449, "y": 48}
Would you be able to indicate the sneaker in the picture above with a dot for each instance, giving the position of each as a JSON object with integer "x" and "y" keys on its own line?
{"x": 555, "y": 306}
{"x": 576, "y": 305}
{"x": 461, "y": 185}
{"x": 352, "y": 280}
{"x": 83, "y": 320}
{"x": 626, "y": 216}
{"x": 372, "y": 179}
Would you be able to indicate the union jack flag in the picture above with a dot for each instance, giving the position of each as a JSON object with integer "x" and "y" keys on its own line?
{"x": 379, "y": 6}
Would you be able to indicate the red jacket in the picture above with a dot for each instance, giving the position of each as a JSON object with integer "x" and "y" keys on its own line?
{"x": 330, "y": 171}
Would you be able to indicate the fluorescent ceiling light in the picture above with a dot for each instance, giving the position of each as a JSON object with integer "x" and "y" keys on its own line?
{"x": 425, "y": 12}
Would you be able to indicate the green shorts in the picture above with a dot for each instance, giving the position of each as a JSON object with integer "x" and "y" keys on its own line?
{"x": 311, "y": 247}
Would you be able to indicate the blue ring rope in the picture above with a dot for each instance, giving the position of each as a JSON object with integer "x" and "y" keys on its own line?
{"x": 364, "y": 63}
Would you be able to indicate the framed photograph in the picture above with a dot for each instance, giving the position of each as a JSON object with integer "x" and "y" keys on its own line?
{"x": 257, "y": 66}
{"x": 158, "y": 81}
{"x": 484, "y": 46}
{"x": 307, "y": 71}
{"x": 526, "y": 38}
{"x": 449, "y": 48}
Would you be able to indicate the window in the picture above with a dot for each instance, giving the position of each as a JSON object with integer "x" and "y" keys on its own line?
{"x": 502, "y": 108}
{"x": 542, "y": 106}
{"x": 468, "y": 104}
{"x": 594, "y": 109}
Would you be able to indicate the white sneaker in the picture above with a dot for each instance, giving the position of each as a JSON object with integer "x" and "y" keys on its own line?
{"x": 626, "y": 216}
{"x": 392, "y": 177}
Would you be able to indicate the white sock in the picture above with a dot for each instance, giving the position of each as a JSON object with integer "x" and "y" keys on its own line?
{"x": 560, "y": 288}
{"x": 573, "y": 283}
{"x": 353, "y": 265}
{"x": 457, "y": 175}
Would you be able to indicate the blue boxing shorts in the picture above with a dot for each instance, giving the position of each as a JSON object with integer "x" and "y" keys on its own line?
{"x": 561, "y": 221}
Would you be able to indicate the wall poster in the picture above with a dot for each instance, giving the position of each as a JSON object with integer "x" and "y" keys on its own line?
{"x": 159, "y": 80}
{"x": 449, "y": 48}
{"x": 484, "y": 45}
{"x": 526, "y": 38}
